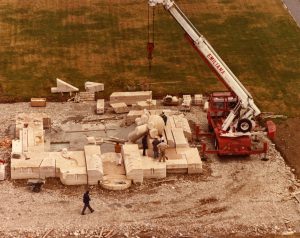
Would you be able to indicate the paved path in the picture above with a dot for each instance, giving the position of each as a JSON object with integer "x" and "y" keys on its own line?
{"x": 294, "y": 8}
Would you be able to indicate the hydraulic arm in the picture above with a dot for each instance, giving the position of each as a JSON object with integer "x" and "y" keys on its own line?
{"x": 245, "y": 109}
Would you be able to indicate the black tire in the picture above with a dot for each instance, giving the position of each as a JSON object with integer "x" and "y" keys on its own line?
{"x": 244, "y": 125}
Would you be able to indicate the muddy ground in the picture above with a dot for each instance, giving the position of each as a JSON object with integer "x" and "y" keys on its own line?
{"x": 234, "y": 197}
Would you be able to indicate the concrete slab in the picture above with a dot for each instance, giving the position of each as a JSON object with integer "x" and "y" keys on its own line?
{"x": 93, "y": 163}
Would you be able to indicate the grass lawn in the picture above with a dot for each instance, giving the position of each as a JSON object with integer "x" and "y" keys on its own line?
{"x": 105, "y": 41}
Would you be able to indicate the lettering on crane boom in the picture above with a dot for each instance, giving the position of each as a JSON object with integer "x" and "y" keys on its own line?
{"x": 214, "y": 62}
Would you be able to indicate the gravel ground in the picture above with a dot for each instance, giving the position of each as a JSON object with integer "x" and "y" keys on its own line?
{"x": 233, "y": 197}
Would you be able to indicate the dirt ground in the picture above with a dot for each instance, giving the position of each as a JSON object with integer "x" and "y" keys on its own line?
{"x": 234, "y": 197}
{"x": 288, "y": 142}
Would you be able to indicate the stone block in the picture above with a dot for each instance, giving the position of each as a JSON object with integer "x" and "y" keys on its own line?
{"x": 153, "y": 169}
{"x": 132, "y": 115}
{"x": 73, "y": 176}
{"x": 93, "y": 87}
{"x": 198, "y": 99}
{"x": 181, "y": 122}
{"x": 148, "y": 104}
{"x": 119, "y": 107}
{"x": 100, "y": 106}
{"x": 133, "y": 162}
{"x": 177, "y": 166}
{"x": 193, "y": 159}
{"x": 63, "y": 87}
{"x": 2, "y": 172}
{"x": 38, "y": 102}
{"x": 130, "y": 97}
{"x": 179, "y": 138}
{"x": 86, "y": 96}
{"x": 93, "y": 163}
{"x": 47, "y": 167}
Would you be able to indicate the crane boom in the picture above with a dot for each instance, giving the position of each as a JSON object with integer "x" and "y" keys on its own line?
{"x": 245, "y": 108}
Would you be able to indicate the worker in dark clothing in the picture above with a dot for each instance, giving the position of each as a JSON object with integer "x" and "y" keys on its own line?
{"x": 145, "y": 144}
{"x": 86, "y": 202}
{"x": 164, "y": 117}
{"x": 155, "y": 143}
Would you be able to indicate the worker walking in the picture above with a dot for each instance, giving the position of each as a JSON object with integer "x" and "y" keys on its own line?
{"x": 145, "y": 144}
{"x": 118, "y": 149}
{"x": 86, "y": 202}
{"x": 155, "y": 143}
{"x": 162, "y": 150}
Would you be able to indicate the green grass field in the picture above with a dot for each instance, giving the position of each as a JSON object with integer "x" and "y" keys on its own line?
{"x": 105, "y": 41}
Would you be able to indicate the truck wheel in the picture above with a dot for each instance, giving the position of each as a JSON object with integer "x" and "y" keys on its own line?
{"x": 244, "y": 125}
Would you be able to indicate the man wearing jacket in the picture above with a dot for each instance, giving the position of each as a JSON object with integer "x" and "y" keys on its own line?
{"x": 86, "y": 202}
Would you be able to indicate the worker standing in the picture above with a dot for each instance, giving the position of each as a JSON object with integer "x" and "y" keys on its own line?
{"x": 118, "y": 149}
{"x": 155, "y": 143}
{"x": 145, "y": 144}
{"x": 162, "y": 150}
{"x": 86, "y": 202}
{"x": 164, "y": 117}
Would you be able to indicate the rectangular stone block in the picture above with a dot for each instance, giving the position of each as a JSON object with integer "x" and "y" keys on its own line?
{"x": 86, "y": 96}
{"x": 119, "y": 107}
{"x": 100, "y": 106}
{"x": 133, "y": 162}
{"x": 38, "y": 102}
{"x": 153, "y": 169}
{"x": 130, "y": 97}
{"x": 93, "y": 163}
{"x": 179, "y": 138}
{"x": 193, "y": 159}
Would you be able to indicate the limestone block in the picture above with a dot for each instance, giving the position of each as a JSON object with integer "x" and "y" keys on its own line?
{"x": 130, "y": 97}
{"x": 198, "y": 99}
{"x": 100, "y": 106}
{"x": 177, "y": 165}
{"x": 47, "y": 167}
{"x": 169, "y": 136}
{"x": 181, "y": 122}
{"x": 2, "y": 172}
{"x": 171, "y": 154}
{"x": 148, "y": 104}
{"x": 179, "y": 138}
{"x": 205, "y": 107}
{"x": 93, "y": 87}
{"x": 153, "y": 169}
{"x": 73, "y": 176}
{"x": 16, "y": 147}
{"x": 63, "y": 87}
{"x": 133, "y": 162}
{"x": 93, "y": 163}
{"x": 159, "y": 111}
{"x": 25, "y": 168}
{"x": 132, "y": 115}
{"x": 156, "y": 122}
{"x": 86, "y": 96}
{"x": 119, "y": 107}
{"x": 193, "y": 159}
{"x": 38, "y": 102}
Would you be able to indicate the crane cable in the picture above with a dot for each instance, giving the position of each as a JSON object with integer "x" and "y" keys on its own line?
{"x": 150, "y": 44}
